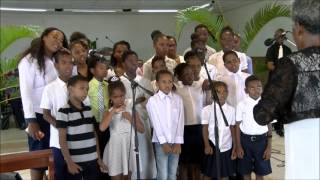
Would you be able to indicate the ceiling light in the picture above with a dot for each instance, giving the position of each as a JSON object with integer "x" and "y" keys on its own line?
{"x": 22, "y": 9}
{"x": 90, "y": 10}
{"x": 157, "y": 10}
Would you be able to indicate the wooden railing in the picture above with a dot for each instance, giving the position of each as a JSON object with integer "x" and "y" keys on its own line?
{"x": 28, "y": 160}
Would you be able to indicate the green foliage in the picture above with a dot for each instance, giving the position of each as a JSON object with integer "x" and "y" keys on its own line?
{"x": 260, "y": 19}
{"x": 195, "y": 14}
{"x": 10, "y": 34}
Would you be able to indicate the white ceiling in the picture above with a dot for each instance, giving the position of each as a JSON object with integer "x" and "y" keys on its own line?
{"x": 225, "y": 5}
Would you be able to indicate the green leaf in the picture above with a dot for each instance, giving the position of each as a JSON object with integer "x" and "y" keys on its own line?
{"x": 7, "y": 65}
{"x": 195, "y": 14}
{"x": 9, "y": 34}
{"x": 262, "y": 17}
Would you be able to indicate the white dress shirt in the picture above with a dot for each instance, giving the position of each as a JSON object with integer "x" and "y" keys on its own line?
{"x": 192, "y": 97}
{"x": 236, "y": 86}
{"x": 210, "y": 51}
{"x": 225, "y": 138}
{"x": 147, "y": 67}
{"x": 217, "y": 60}
{"x": 244, "y": 114}
{"x": 167, "y": 116}
{"x": 32, "y": 83}
{"x": 213, "y": 72}
{"x": 55, "y": 96}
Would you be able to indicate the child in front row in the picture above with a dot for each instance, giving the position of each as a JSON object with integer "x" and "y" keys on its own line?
{"x": 118, "y": 153}
{"x": 253, "y": 140}
{"x": 226, "y": 136}
{"x": 166, "y": 113}
{"x": 77, "y": 136}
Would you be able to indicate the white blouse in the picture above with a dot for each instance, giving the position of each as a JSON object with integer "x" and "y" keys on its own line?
{"x": 32, "y": 83}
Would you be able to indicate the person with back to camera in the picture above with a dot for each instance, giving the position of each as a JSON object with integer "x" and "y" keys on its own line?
{"x": 294, "y": 90}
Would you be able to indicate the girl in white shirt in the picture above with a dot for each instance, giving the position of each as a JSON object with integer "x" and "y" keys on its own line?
{"x": 192, "y": 96}
{"x": 226, "y": 136}
{"x": 36, "y": 70}
{"x": 165, "y": 110}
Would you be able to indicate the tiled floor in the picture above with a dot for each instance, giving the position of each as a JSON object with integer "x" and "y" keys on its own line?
{"x": 15, "y": 140}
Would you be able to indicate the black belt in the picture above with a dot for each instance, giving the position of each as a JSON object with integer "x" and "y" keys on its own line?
{"x": 254, "y": 138}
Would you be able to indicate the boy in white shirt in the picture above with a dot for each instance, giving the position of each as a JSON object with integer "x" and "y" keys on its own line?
{"x": 234, "y": 78}
{"x": 253, "y": 140}
{"x": 166, "y": 113}
{"x": 226, "y": 136}
{"x": 227, "y": 44}
{"x": 55, "y": 96}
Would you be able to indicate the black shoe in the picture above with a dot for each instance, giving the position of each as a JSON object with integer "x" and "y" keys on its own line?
{"x": 280, "y": 133}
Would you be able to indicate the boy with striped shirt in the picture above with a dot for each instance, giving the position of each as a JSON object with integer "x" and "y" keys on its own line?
{"x": 77, "y": 137}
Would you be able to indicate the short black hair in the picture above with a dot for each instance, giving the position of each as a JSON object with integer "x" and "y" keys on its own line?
{"x": 217, "y": 84}
{"x": 201, "y": 26}
{"x": 75, "y": 79}
{"x": 190, "y": 54}
{"x": 79, "y": 41}
{"x": 157, "y": 37}
{"x": 194, "y": 42}
{"x": 77, "y": 36}
{"x": 157, "y": 58}
{"x": 94, "y": 60}
{"x": 194, "y": 36}
{"x": 126, "y": 54}
{"x": 161, "y": 72}
{"x": 174, "y": 39}
{"x": 226, "y": 29}
{"x": 61, "y": 52}
{"x": 227, "y": 53}
{"x": 154, "y": 33}
{"x": 178, "y": 70}
{"x": 250, "y": 79}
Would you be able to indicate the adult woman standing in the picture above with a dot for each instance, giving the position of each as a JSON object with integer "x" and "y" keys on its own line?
{"x": 294, "y": 90}
{"x": 36, "y": 69}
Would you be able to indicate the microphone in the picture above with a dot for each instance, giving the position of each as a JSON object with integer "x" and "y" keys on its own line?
{"x": 107, "y": 37}
{"x": 94, "y": 53}
{"x": 270, "y": 41}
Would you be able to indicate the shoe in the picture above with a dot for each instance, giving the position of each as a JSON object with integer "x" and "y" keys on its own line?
{"x": 280, "y": 133}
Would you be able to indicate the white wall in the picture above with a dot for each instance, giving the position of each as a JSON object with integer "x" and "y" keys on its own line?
{"x": 136, "y": 28}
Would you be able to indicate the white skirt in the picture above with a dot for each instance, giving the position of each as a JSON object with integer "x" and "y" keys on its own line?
{"x": 302, "y": 149}
{"x": 116, "y": 154}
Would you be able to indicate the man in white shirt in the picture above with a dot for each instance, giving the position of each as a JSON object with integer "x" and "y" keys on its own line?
{"x": 201, "y": 31}
{"x": 227, "y": 44}
{"x": 160, "y": 44}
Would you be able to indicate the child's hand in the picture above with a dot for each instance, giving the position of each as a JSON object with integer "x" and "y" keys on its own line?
{"x": 140, "y": 100}
{"x": 233, "y": 154}
{"x": 208, "y": 150}
{"x": 73, "y": 168}
{"x": 267, "y": 153}
{"x": 176, "y": 149}
{"x": 120, "y": 109}
{"x": 103, "y": 167}
{"x": 166, "y": 148}
{"x": 126, "y": 115}
{"x": 240, "y": 152}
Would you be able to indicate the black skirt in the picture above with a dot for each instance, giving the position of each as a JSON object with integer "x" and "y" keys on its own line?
{"x": 227, "y": 166}
{"x": 192, "y": 150}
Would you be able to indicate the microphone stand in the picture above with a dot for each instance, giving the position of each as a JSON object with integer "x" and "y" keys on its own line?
{"x": 134, "y": 85}
{"x": 214, "y": 96}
